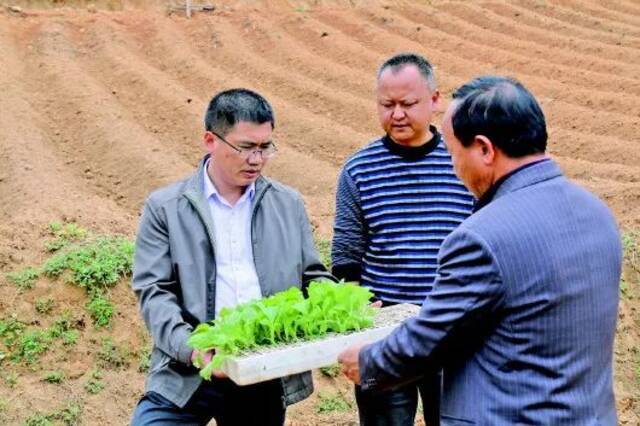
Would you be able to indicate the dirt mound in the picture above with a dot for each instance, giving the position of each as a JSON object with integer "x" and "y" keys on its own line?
{"x": 102, "y": 103}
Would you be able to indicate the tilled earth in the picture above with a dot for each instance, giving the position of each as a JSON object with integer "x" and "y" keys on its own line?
{"x": 101, "y": 104}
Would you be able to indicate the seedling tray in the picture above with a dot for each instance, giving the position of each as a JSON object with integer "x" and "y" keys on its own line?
{"x": 279, "y": 361}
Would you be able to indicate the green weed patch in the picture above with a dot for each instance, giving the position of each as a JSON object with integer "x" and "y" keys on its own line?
{"x": 94, "y": 385}
{"x": 64, "y": 234}
{"x": 332, "y": 370}
{"x": 68, "y": 416}
{"x": 111, "y": 356}
{"x": 93, "y": 265}
{"x": 55, "y": 377}
{"x": 24, "y": 279}
{"x": 631, "y": 247}
{"x": 324, "y": 250}
{"x": 100, "y": 310}
{"x": 44, "y": 306}
{"x": 24, "y": 344}
{"x": 330, "y": 403}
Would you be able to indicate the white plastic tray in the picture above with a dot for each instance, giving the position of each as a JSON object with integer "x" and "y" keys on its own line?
{"x": 281, "y": 361}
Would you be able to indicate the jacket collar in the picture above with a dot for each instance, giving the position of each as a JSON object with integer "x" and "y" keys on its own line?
{"x": 527, "y": 175}
{"x": 194, "y": 192}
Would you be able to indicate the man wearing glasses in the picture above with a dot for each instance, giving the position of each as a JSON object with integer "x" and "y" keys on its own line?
{"x": 224, "y": 236}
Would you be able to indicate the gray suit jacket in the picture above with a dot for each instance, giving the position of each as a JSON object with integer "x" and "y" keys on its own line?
{"x": 523, "y": 312}
{"x": 174, "y": 272}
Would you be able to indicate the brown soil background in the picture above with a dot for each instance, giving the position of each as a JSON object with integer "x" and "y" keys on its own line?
{"x": 100, "y": 104}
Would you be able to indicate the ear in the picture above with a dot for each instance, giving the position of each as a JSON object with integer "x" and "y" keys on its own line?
{"x": 486, "y": 149}
{"x": 209, "y": 141}
{"x": 435, "y": 99}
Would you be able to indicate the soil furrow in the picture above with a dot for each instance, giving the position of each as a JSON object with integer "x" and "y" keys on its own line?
{"x": 296, "y": 56}
{"x": 341, "y": 109}
{"x": 36, "y": 184}
{"x": 176, "y": 116}
{"x": 488, "y": 55}
{"x": 610, "y": 19}
{"x": 546, "y": 19}
{"x": 622, "y": 6}
{"x": 577, "y": 14}
{"x": 491, "y": 29}
{"x": 105, "y": 146}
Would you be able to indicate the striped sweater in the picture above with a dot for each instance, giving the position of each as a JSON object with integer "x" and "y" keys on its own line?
{"x": 394, "y": 207}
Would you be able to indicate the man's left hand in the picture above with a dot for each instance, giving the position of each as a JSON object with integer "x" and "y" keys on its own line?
{"x": 349, "y": 362}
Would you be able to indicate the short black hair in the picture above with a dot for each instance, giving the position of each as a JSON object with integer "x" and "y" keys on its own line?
{"x": 232, "y": 106}
{"x": 400, "y": 60}
{"x": 504, "y": 111}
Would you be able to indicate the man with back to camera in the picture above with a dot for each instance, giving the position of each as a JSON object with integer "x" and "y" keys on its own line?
{"x": 523, "y": 312}
{"x": 397, "y": 199}
{"x": 224, "y": 236}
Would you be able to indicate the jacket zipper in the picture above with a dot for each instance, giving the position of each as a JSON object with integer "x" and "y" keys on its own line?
{"x": 256, "y": 205}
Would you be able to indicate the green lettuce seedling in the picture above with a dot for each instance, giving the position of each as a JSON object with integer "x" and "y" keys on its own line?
{"x": 283, "y": 318}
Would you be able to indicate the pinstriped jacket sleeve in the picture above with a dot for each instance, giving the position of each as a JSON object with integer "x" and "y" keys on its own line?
{"x": 458, "y": 312}
{"x": 349, "y": 230}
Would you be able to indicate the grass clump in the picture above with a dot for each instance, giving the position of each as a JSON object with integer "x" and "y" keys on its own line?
{"x": 30, "y": 346}
{"x": 38, "y": 419}
{"x": 145, "y": 360}
{"x": 631, "y": 256}
{"x": 332, "y": 370}
{"x": 63, "y": 329}
{"x": 10, "y": 379}
{"x": 631, "y": 247}
{"x": 111, "y": 356}
{"x": 24, "y": 279}
{"x": 329, "y": 403}
{"x": 64, "y": 234}
{"x": 69, "y": 415}
{"x": 27, "y": 344}
{"x": 44, "y": 306}
{"x": 100, "y": 310}
{"x": 624, "y": 288}
{"x": 94, "y": 265}
{"x": 10, "y": 330}
{"x": 94, "y": 385}
{"x": 55, "y": 377}
{"x": 324, "y": 250}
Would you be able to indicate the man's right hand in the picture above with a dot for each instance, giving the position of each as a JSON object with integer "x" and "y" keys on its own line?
{"x": 200, "y": 359}
{"x": 205, "y": 357}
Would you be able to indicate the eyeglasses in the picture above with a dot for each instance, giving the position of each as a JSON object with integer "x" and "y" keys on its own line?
{"x": 266, "y": 151}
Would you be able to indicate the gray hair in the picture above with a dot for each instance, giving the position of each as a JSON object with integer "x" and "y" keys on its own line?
{"x": 401, "y": 60}
{"x": 230, "y": 107}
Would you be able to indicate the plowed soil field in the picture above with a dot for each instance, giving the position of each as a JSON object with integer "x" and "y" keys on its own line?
{"x": 100, "y": 104}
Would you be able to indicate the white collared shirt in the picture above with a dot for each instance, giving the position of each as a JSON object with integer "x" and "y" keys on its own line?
{"x": 236, "y": 276}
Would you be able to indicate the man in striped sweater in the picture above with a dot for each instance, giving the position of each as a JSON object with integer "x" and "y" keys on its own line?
{"x": 397, "y": 200}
